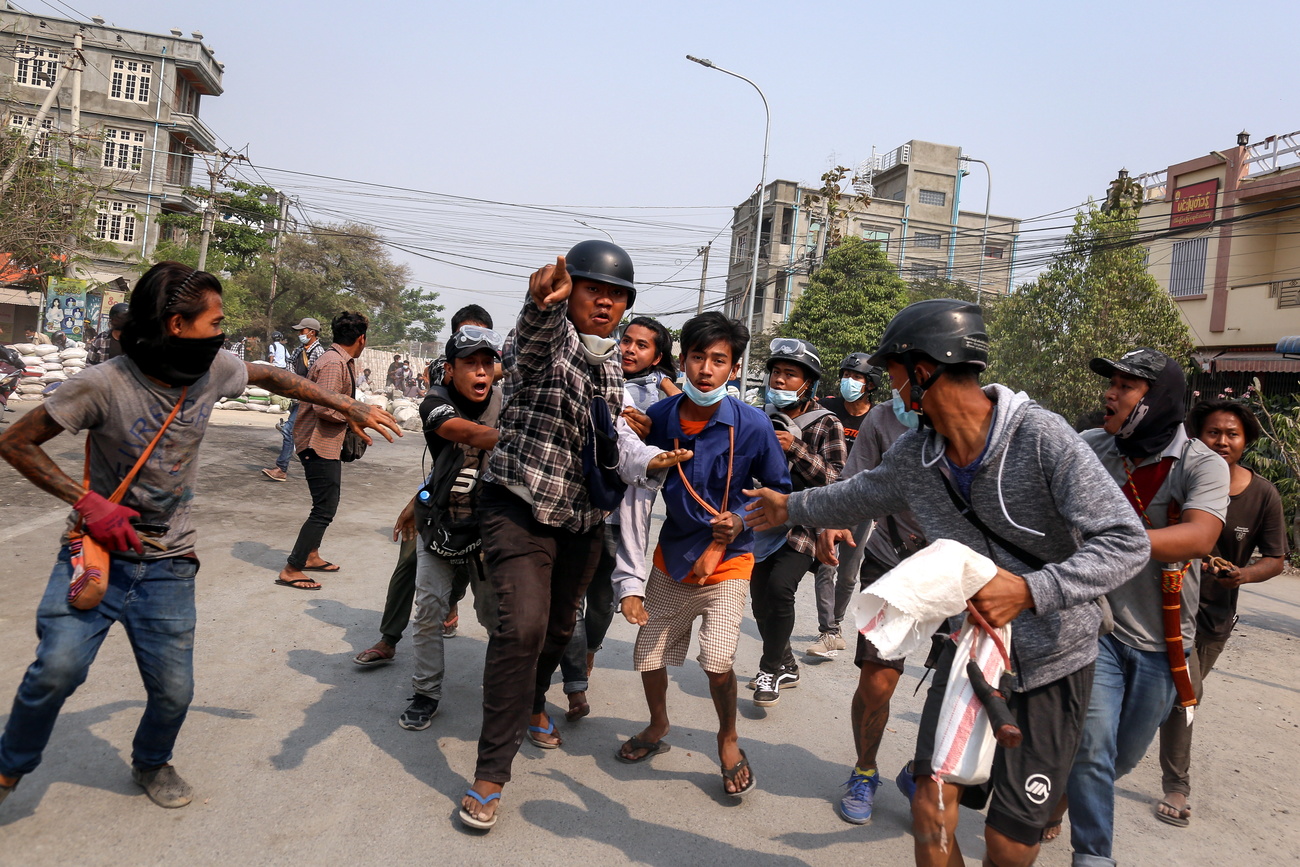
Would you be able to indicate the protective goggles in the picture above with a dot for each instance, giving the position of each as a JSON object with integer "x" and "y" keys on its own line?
{"x": 471, "y": 335}
{"x": 785, "y": 346}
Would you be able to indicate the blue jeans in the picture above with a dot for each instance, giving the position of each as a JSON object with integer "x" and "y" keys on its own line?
{"x": 1132, "y": 693}
{"x": 286, "y": 450}
{"x": 594, "y": 619}
{"x": 154, "y": 602}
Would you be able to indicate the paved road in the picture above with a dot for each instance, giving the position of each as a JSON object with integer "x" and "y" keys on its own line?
{"x": 296, "y": 757}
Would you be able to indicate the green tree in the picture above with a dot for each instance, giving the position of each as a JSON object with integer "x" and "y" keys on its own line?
{"x": 846, "y": 305}
{"x": 938, "y": 287}
{"x": 1096, "y": 299}
{"x": 415, "y": 317}
{"x": 240, "y": 236}
{"x": 47, "y": 211}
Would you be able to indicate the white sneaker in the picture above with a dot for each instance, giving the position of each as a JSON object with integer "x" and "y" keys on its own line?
{"x": 824, "y": 647}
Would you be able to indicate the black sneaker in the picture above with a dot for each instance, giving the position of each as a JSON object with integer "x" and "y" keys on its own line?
{"x": 787, "y": 677}
{"x": 419, "y": 715}
{"x": 766, "y": 692}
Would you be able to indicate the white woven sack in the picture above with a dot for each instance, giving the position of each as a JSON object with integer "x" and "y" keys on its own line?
{"x": 53, "y": 376}
{"x": 234, "y": 404}
{"x": 32, "y": 360}
{"x": 964, "y": 743}
{"x": 24, "y": 348}
{"x": 53, "y": 365}
{"x": 72, "y": 353}
{"x": 257, "y": 392}
{"x": 45, "y": 349}
{"x": 31, "y": 388}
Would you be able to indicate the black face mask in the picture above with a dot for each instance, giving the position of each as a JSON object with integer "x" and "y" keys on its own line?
{"x": 1154, "y": 421}
{"x": 181, "y": 361}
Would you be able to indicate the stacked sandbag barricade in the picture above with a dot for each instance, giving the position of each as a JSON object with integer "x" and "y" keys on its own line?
{"x": 256, "y": 399}
{"x": 47, "y": 366}
{"x": 404, "y": 409}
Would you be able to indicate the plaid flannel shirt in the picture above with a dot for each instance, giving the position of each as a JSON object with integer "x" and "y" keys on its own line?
{"x": 317, "y": 427}
{"x": 815, "y": 461}
{"x": 547, "y": 390}
{"x": 102, "y": 348}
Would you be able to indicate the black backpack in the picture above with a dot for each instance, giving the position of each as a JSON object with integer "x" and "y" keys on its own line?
{"x": 445, "y": 506}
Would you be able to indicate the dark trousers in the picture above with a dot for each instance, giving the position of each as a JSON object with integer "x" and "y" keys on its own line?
{"x": 401, "y": 595}
{"x": 324, "y": 480}
{"x": 597, "y": 615}
{"x": 773, "y": 588}
{"x": 539, "y": 574}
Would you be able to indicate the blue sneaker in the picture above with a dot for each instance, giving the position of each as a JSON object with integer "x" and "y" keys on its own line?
{"x": 855, "y": 806}
{"x": 906, "y": 782}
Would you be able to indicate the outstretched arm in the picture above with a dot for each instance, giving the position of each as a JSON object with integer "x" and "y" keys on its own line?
{"x": 359, "y": 415}
{"x": 21, "y": 447}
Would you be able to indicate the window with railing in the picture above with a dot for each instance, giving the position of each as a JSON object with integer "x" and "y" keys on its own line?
{"x": 123, "y": 149}
{"x": 115, "y": 221}
{"x": 131, "y": 80}
{"x": 35, "y": 65}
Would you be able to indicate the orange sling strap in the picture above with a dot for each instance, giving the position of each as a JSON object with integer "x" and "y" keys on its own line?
{"x": 708, "y": 562}
{"x": 1171, "y": 588}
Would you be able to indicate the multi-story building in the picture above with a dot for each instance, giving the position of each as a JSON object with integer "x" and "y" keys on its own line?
{"x": 1226, "y": 246}
{"x": 914, "y": 213}
{"x": 138, "y": 102}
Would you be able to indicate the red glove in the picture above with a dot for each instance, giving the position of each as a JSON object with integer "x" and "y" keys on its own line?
{"x": 109, "y": 524}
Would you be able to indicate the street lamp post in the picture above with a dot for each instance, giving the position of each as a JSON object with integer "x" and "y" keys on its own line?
{"x": 758, "y": 223}
{"x": 984, "y": 239}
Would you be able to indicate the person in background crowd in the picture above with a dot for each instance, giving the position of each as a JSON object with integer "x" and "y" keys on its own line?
{"x": 172, "y": 371}
{"x": 307, "y": 353}
{"x": 318, "y": 438}
{"x": 60, "y": 340}
{"x": 363, "y": 381}
{"x": 645, "y": 354}
{"x": 394, "y": 380}
{"x": 106, "y": 344}
{"x": 1178, "y": 487}
{"x": 813, "y": 441}
{"x": 277, "y": 354}
{"x": 542, "y": 534}
{"x": 1254, "y": 521}
{"x": 36, "y": 337}
{"x": 401, "y": 584}
{"x": 834, "y": 584}
{"x": 1040, "y": 495}
{"x": 705, "y": 555}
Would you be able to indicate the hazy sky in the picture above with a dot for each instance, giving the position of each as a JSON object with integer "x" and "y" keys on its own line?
{"x": 593, "y": 106}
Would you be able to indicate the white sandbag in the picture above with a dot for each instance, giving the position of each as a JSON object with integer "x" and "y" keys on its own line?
{"x": 412, "y": 424}
{"x": 901, "y": 610}
{"x": 258, "y": 407}
{"x": 53, "y": 365}
{"x": 234, "y": 404}
{"x": 24, "y": 348}
{"x": 32, "y": 360}
{"x": 29, "y": 397}
{"x": 276, "y": 409}
{"x": 53, "y": 377}
{"x": 963, "y": 742}
{"x": 67, "y": 354}
{"x": 74, "y": 364}
{"x": 31, "y": 388}
{"x": 45, "y": 349}
{"x": 375, "y": 400}
{"x": 253, "y": 391}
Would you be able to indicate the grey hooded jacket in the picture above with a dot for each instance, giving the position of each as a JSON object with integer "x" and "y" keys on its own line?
{"x": 1041, "y": 488}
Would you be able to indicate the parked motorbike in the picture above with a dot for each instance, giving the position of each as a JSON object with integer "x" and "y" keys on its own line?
{"x": 11, "y": 373}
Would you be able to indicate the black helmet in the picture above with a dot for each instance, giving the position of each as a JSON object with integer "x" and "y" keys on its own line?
{"x": 942, "y": 329}
{"x": 859, "y": 362}
{"x": 603, "y": 262}
{"x": 277, "y": 336}
{"x": 801, "y": 352}
{"x": 117, "y": 314}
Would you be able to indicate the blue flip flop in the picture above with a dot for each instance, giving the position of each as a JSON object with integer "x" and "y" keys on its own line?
{"x": 549, "y": 730}
{"x": 480, "y": 824}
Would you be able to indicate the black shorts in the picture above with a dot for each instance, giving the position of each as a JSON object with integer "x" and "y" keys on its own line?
{"x": 871, "y": 571}
{"x": 1028, "y": 781}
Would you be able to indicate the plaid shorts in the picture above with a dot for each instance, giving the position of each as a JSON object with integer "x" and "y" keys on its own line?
{"x": 673, "y": 607}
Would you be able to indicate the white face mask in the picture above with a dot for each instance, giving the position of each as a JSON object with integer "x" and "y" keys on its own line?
{"x": 597, "y": 349}
{"x": 910, "y": 418}
{"x": 304, "y": 339}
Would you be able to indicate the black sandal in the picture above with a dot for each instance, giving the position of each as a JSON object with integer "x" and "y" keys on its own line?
{"x": 652, "y": 748}
{"x": 729, "y": 776}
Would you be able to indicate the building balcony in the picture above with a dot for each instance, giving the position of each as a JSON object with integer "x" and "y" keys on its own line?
{"x": 192, "y": 132}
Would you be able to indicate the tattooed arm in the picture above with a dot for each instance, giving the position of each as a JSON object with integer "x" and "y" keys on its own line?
{"x": 21, "y": 447}
{"x": 359, "y": 415}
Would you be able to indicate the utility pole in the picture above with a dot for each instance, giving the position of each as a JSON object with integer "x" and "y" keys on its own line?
{"x": 275, "y": 267}
{"x": 209, "y": 212}
{"x": 704, "y": 275}
{"x": 76, "y": 65}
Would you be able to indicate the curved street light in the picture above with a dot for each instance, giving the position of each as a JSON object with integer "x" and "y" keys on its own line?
{"x": 758, "y": 224}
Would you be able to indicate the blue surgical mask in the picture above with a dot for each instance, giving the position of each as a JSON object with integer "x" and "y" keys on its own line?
{"x": 781, "y": 398}
{"x": 851, "y": 389}
{"x": 908, "y": 417}
{"x": 304, "y": 339}
{"x": 703, "y": 398}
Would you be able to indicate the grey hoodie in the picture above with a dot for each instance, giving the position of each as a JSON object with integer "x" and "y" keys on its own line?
{"x": 1041, "y": 488}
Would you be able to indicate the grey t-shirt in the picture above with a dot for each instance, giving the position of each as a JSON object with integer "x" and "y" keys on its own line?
{"x": 879, "y": 428}
{"x": 123, "y": 410}
{"x": 1198, "y": 480}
